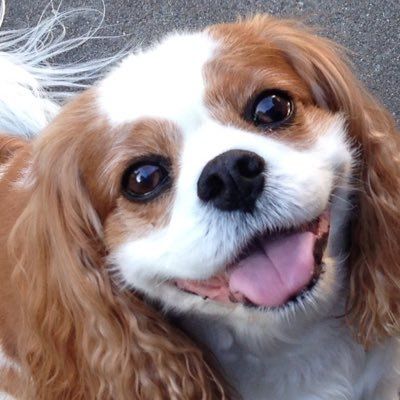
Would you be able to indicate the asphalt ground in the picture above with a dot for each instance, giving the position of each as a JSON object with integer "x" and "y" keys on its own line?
{"x": 369, "y": 29}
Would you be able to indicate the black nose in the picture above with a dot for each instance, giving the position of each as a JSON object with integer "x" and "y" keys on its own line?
{"x": 232, "y": 181}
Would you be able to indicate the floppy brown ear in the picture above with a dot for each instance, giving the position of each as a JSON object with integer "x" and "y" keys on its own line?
{"x": 83, "y": 338}
{"x": 374, "y": 299}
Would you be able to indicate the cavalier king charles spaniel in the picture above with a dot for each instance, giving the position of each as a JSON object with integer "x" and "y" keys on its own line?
{"x": 218, "y": 217}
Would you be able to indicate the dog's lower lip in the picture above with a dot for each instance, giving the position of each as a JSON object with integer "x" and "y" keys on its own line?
{"x": 220, "y": 288}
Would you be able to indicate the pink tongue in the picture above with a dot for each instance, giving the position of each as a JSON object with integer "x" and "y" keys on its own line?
{"x": 271, "y": 277}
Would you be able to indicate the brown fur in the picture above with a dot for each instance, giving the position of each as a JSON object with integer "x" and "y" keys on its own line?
{"x": 245, "y": 66}
{"x": 139, "y": 138}
{"x": 8, "y": 147}
{"x": 10, "y": 381}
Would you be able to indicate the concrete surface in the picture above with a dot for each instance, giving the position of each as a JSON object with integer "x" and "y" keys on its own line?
{"x": 369, "y": 28}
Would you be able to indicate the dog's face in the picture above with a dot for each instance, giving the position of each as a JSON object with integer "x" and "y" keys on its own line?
{"x": 231, "y": 178}
{"x": 213, "y": 172}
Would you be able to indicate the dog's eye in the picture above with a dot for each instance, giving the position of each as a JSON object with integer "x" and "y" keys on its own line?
{"x": 145, "y": 180}
{"x": 271, "y": 108}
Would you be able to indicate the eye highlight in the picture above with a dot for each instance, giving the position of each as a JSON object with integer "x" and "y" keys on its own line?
{"x": 270, "y": 109}
{"x": 146, "y": 179}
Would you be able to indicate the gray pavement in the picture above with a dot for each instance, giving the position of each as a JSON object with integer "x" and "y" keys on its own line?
{"x": 369, "y": 29}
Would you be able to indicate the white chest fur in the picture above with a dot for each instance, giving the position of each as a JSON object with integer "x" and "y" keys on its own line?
{"x": 321, "y": 362}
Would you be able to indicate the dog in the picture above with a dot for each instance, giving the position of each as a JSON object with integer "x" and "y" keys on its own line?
{"x": 240, "y": 180}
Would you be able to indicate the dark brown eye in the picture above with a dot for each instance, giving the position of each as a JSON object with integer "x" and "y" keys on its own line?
{"x": 271, "y": 108}
{"x": 146, "y": 179}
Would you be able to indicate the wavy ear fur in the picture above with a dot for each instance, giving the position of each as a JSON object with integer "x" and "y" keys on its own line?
{"x": 84, "y": 339}
{"x": 374, "y": 299}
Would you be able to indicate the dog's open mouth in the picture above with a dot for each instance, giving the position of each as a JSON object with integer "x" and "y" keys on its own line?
{"x": 271, "y": 271}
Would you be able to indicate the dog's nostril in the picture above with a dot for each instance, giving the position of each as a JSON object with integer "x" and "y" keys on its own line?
{"x": 213, "y": 187}
{"x": 250, "y": 167}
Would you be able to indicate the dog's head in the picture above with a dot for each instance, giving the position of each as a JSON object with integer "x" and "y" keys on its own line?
{"x": 237, "y": 149}
{"x": 241, "y": 171}
{"x": 236, "y": 175}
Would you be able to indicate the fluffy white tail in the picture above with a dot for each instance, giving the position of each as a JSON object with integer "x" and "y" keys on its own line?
{"x": 31, "y": 85}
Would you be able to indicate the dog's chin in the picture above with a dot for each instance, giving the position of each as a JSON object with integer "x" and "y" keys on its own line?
{"x": 272, "y": 271}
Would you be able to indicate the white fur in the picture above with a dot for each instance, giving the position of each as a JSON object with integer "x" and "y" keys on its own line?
{"x": 23, "y": 109}
{"x": 31, "y": 86}
{"x": 317, "y": 361}
{"x": 144, "y": 85}
{"x": 301, "y": 351}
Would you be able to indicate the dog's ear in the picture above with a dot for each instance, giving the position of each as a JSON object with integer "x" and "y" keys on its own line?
{"x": 83, "y": 338}
{"x": 374, "y": 300}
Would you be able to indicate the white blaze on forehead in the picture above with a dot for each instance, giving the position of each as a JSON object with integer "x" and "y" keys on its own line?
{"x": 165, "y": 81}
